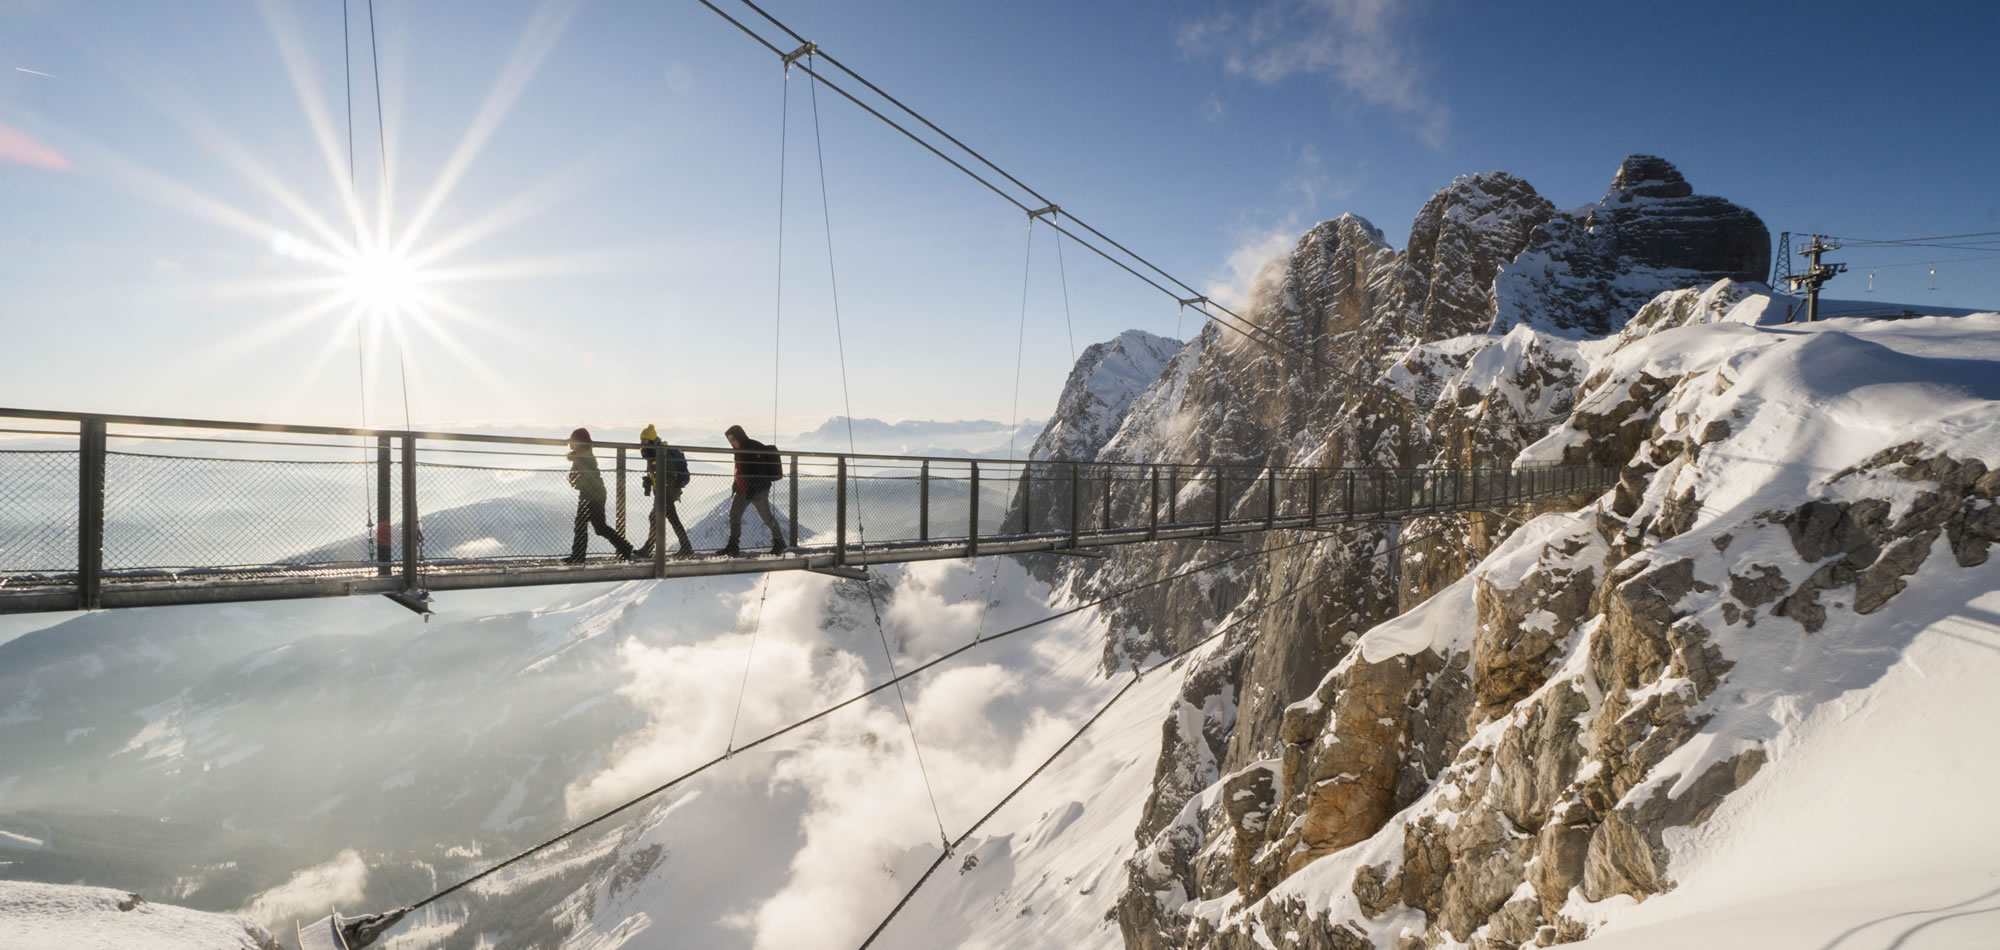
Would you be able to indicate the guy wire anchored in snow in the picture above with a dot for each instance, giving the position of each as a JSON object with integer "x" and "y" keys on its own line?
{"x": 836, "y": 707}
{"x": 1137, "y": 675}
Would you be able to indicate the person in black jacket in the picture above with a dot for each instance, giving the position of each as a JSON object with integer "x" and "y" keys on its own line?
{"x": 758, "y": 467}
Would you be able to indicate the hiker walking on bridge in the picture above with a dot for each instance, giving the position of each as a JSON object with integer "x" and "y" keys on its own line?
{"x": 758, "y": 467}
{"x": 666, "y": 473}
{"x": 589, "y": 485}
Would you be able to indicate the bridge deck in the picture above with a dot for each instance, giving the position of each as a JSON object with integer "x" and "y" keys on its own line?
{"x": 122, "y": 511}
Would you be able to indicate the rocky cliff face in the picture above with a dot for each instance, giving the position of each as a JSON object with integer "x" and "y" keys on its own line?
{"x": 1484, "y": 769}
{"x": 1584, "y": 272}
{"x": 1464, "y": 346}
{"x": 1100, "y": 391}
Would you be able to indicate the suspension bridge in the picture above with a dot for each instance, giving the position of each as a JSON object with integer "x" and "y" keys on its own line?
{"x": 106, "y": 511}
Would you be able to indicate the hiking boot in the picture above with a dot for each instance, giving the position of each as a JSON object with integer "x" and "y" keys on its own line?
{"x": 730, "y": 551}
{"x": 777, "y": 548}
{"x": 573, "y": 559}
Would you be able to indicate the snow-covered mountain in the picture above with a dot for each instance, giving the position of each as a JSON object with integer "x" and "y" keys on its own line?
{"x": 957, "y": 438}
{"x": 1624, "y": 718}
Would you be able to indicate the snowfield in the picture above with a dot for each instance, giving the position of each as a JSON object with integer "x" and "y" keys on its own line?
{"x": 59, "y": 917}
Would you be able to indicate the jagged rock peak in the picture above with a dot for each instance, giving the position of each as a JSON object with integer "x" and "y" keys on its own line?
{"x": 1649, "y": 176}
{"x": 1101, "y": 387}
{"x": 1459, "y": 241}
{"x": 1586, "y": 272}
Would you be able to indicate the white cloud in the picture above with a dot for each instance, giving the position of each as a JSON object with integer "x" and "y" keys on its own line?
{"x": 1210, "y": 109}
{"x": 1355, "y": 43}
{"x": 1255, "y": 250}
{"x": 310, "y": 892}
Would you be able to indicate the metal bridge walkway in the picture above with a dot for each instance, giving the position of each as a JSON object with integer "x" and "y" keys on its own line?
{"x": 102, "y": 511}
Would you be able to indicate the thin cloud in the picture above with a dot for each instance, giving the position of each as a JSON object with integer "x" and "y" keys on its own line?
{"x": 1211, "y": 108}
{"x": 23, "y": 149}
{"x": 36, "y": 72}
{"x": 1355, "y": 43}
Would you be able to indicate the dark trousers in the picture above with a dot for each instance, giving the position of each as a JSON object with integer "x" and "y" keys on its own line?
{"x": 591, "y": 514}
{"x": 760, "y": 497}
{"x": 674, "y": 522}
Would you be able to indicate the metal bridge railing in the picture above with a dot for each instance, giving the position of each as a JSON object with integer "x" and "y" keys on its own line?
{"x": 99, "y": 510}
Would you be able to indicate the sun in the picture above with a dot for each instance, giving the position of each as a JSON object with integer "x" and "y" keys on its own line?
{"x": 380, "y": 281}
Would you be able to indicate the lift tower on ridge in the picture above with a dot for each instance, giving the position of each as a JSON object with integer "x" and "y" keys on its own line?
{"x": 1814, "y": 276}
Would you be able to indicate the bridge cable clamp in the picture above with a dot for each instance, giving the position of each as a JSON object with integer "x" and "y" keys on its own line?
{"x": 795, "y": 55}
{"x": 1053, "y": 210}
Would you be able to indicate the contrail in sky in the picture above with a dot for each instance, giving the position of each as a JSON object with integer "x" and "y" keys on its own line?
{"x": 35, "y": 72}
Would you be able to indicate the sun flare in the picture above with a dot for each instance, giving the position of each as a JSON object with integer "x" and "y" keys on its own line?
{"x": 380, "y": 281}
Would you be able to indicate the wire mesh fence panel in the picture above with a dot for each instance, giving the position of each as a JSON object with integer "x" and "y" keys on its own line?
{"x": 819, "y": 501}
{"x": 38, "y": 513}
{"x": 479, "y": 512}
{"x": 182, "y": 512}
{"x": 998, "y": 486}
{"x": 885, "y": 505}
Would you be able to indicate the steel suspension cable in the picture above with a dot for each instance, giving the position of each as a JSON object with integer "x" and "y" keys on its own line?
{"x": 1227, "y": 318}
{"x": 777, "y": 351}
{"x": 847, "y": 403}
{"x": 843, "y": 704}
{"x": 1014, "y": 422}
{"x": 1138, "y": 674}
{"x": 990, "y": 186}
{"x": 360, "y": 339}
{"x": 1069, "y": 326}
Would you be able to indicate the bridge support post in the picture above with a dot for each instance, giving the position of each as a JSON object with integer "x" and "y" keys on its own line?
{"x": 1173, "y": 494}
{"x": 1027, "y": 482}
{"x": 1475, "y": 486}
{"x": 792, "y": 511}
{"x": 1312, "y": 498}
{"x": 840, "y": 510}
{"x": 384, "y": 461}
{"x": 1153, "y": 508}
{"x": 411, "y": 529}
{"x": 1271, "y": 499}
{"x": 972, "y": 508}
{"x": 1075, "y": 502}
{"x": 90, "y": 515}
{"x": 657, "y": 468}
{"x": 1108, "y": 473}
{"x": 923, "y": 498}
{"x": 1349, "y": 507}
{"x": 621, "y": 492}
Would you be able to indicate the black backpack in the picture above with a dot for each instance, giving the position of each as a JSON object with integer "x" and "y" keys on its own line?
{"x": 770, "y": 465}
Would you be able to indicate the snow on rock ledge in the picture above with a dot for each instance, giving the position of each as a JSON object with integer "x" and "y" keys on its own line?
{"x": 61, "y": 917}
{"x": 1537, "y": 750}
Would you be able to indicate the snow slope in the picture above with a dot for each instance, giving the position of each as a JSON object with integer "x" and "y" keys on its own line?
{"x": 61, "y": 917}
{"x": 1873, "y": 826}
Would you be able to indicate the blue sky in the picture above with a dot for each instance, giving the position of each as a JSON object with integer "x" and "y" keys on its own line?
{"x": 633, "y": 163}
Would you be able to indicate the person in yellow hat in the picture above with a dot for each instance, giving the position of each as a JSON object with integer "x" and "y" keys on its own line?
{"x": 666, "y": 473}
